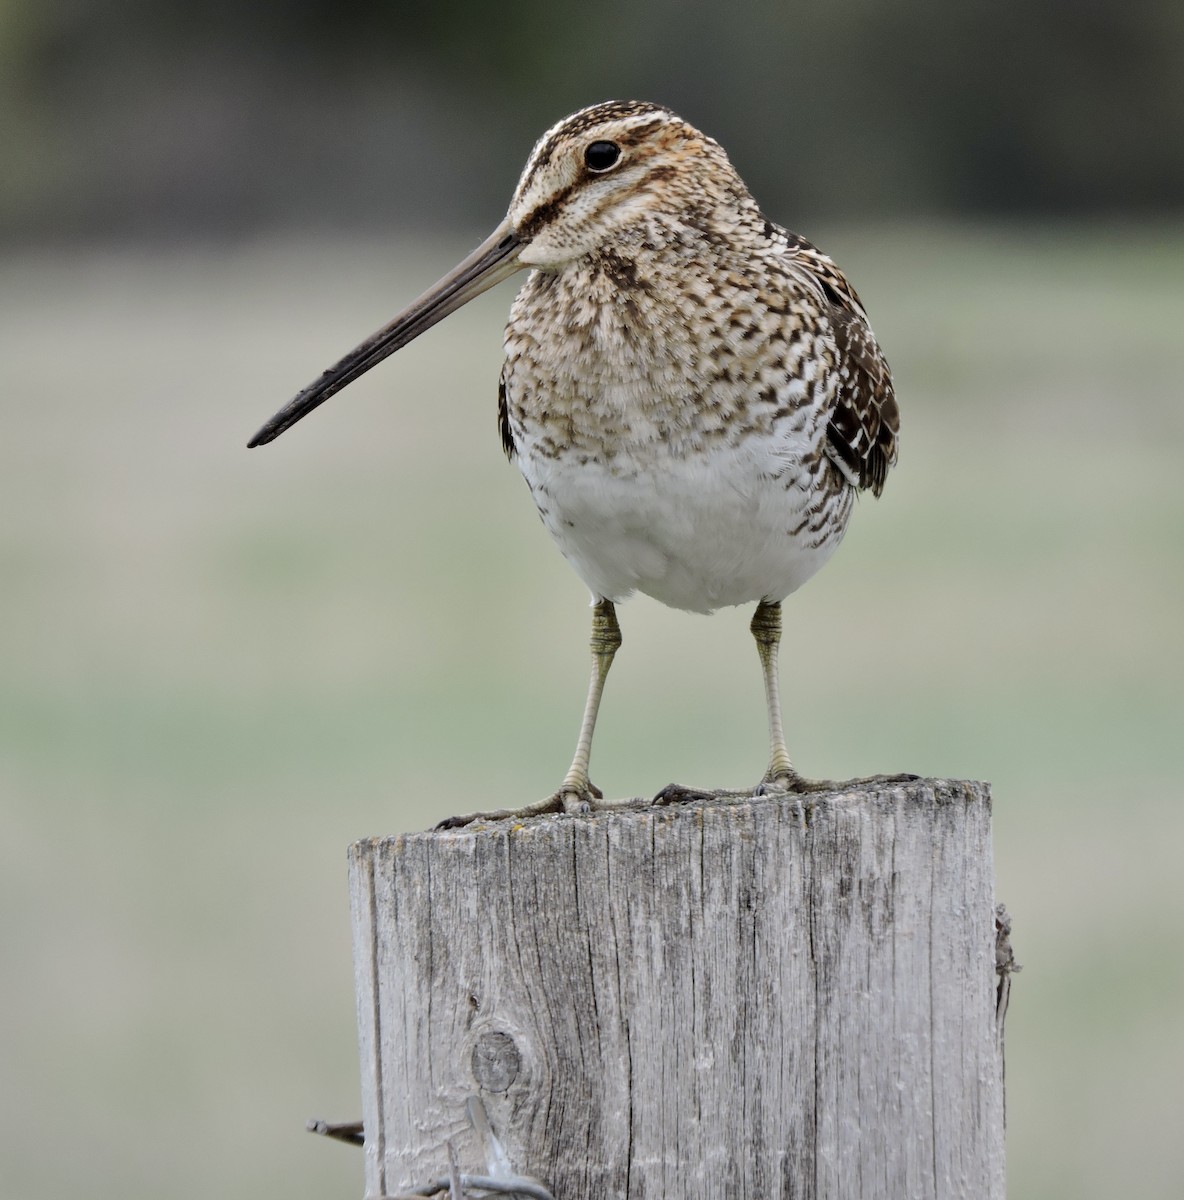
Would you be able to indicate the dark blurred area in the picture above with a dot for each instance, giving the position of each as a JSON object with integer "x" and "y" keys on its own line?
{"x": 136, "y": 119}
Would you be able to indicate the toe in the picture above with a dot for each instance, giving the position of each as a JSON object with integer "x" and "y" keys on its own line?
{"x": 676, "y": 793}
{"x": 576, "y": 804}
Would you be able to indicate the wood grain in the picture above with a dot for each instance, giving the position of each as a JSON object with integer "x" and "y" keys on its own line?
{"x": 786, "y": 997}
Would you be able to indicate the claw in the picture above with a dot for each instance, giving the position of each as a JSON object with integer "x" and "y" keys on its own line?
{"x": 573, "y": 803}
{"x": 676, "y": 793}
{"x": 552, "y": 804}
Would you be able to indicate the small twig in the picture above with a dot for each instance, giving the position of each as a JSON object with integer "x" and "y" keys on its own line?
{"x": 497, "y": 1161}
{"x": 345, "y": 1131}
{"x": 514, "y": 1185}
{"x": 1005, "y": 967}
{"x": 454, "y": 1187}
{"x": 501, "y": 1180}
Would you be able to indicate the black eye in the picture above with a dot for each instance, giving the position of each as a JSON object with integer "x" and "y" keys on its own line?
{"x": 600, "y": 156}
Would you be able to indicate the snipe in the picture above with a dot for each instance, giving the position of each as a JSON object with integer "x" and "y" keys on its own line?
{"x": 693, "y": 394}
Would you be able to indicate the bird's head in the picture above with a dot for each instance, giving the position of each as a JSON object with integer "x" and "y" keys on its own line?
{"x": 607, "y": 169}
{"x": 599, "y": 175}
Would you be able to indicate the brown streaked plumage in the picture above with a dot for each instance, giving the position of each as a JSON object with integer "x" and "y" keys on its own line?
{"x": 693, "y": 394}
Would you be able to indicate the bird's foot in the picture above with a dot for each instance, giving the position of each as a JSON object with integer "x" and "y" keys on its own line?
{"x": 795, "y": 784}
{"x": 781, "y": 784}
{"x": 790, "y": 783}
{"x": 577, "y": 800}
{"x": 573, "y": 801}
{"x": 580, "y": 801}
{"x": 676, "y": 793}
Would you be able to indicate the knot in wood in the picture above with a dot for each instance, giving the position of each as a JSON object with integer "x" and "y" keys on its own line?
{"x": 495, "y": 1061}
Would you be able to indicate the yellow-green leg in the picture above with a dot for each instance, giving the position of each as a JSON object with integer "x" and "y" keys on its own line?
{"x": 781, "y": 776}
{"x": 766, "y": 630}
{"x": 577, "y": 791}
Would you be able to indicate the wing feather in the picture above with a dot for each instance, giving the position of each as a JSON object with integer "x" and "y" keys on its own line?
{"x": 503, "y": 418}
{"x": 865, "y": 424}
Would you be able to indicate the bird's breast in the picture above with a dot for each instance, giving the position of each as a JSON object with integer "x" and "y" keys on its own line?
{"x": 622, "y": 360}
{"x": 671, "y": 438}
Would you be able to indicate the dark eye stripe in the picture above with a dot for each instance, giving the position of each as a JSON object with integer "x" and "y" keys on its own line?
{"x": 545, "y": 212}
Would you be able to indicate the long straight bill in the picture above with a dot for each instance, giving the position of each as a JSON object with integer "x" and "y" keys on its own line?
{"x": 494, "y": 260}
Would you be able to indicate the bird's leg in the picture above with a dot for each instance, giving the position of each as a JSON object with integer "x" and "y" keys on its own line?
{"x": 781, "y": 776}
{"x": 766, "y": 631}
{"x": 577, "y": 791}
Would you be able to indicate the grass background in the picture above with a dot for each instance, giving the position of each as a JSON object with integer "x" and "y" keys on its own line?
{"x": 217, "y": 668}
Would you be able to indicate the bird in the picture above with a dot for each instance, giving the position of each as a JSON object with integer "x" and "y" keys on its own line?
{"x": 693, "y": 394}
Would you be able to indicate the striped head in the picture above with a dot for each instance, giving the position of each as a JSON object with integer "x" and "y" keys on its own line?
{"x": 604, "y": 174}
{"x": 606, "y": 168}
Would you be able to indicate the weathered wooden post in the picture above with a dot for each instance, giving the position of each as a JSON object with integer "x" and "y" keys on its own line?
{"x": 754, "y": 1000}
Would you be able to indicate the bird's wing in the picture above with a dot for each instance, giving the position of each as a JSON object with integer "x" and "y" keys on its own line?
{"x": 503, "y": 417}
{"x": 865, "y": 422}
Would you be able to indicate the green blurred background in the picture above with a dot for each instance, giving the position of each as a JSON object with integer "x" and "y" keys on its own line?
{"x": 219, "y": 668}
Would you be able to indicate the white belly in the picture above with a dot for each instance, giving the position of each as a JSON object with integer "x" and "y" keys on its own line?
{"x": 697, "y": 533}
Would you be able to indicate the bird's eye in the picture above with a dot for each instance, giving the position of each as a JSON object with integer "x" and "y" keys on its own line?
{"x": 601, "y": 156}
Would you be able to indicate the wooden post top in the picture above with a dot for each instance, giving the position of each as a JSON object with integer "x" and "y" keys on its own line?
{"x": 763, "y": 997}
